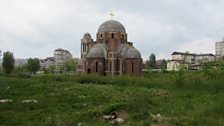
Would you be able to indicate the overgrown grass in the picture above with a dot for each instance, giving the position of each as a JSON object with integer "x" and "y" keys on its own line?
{"x": 66, "y": 100}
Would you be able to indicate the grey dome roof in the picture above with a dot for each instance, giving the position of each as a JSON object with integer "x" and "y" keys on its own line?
{"x": 127, "y": 51}
{"x": 87, "y": 36}
{"x": 111, "y": 26}
{"x": 98, "y": 51}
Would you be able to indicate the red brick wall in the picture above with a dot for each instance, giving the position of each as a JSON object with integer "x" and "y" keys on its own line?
{"x": 133, "y": 67}
{"x": 92, "y": 66}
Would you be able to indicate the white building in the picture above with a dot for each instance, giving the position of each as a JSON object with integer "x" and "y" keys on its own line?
{"x": 46, "y": 63}
{"x": 188, "y": 57}
{"x": 202, "y": 58}
{"x": 175, "y": 65}
{"x": 219, "y": 49}
{"x": 61, "y": 56}
{"x": 20, "y": 62}
{"x": 194, "y": 61}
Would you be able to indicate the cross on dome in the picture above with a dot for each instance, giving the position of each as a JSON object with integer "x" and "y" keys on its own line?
{"x": 111, "y": 15}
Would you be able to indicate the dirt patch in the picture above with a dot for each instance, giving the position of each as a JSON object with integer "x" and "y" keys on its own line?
{"x": 28, "y": 101}
{"x": 5, "y": 100}
{"x": 116, "y": 116}
{"x": 122, "y": 114}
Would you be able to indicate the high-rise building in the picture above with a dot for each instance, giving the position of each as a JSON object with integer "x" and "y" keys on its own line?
{"x": 61, "y": 56}
{"x": 219, "y": 49}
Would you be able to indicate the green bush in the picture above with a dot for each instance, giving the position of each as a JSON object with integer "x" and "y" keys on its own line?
{"x": 86, "y": 79}
{"x": 55, "y": 78}
{"x": 179, "y": 77}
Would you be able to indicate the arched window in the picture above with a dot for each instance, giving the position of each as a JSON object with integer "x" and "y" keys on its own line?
{"x": 132, "y": 67}
{"x": 96, "y": 67}
{"x": 84, "y": 47}
{"x": 112, "y": 35}
{"x": 122, "y": 36}
{"x": 110, "y": 66}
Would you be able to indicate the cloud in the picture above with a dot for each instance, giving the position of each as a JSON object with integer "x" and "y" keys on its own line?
{"x": 41, "y": 26}
{"x": 32, "y": 28}
{"x": 205, "y": 45}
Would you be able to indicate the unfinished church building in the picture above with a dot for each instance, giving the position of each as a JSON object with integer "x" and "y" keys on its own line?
{"x": 111, "y": 53}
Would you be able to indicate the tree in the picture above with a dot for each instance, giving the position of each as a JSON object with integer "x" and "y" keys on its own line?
{"x": 152, "y": 61}
{"x": 20, "y": 69}
{"x": 33, "y": 65}
{"x": 69, "y": 66}
{"x": 8, "y": 62}
{"x": 49, "y": 70}
{"x": 214, "y": 70}
{"x": 163, "y": 65}
{"x": 180, "y": 76}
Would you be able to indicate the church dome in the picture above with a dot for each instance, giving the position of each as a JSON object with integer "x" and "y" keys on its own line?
{"x": 98, "y": 51}
{"x": 87, "y": 36}
{"x": 133, "y": 53}
{"x": 111, "y": 26}
{"x": 127, "y": 51}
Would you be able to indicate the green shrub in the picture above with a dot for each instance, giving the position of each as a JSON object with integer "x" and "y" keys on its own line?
{"x": 86, "y": 79}
{"x": 21, "y": 75}
{"x": 179, "y": 77}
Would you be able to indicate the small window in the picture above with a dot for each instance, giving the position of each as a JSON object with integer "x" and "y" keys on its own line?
{"x": 101, "y": 35}
{"x": 112, "y": 35}
{"x": 122, "y": 36}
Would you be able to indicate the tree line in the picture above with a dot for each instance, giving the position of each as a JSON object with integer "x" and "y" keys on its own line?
{"x": 152, "y": 65}
{"x": 33, "y": 65}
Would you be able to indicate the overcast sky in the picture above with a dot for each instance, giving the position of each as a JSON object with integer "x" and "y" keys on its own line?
{"x": 35, "y": 28}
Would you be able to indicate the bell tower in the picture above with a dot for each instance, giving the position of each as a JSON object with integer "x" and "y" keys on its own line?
{"x": 86, "y": 45}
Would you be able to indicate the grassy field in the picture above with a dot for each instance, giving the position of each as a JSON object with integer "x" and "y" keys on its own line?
{"x": 157, "y": 99}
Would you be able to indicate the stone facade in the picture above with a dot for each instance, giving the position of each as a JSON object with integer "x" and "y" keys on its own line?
{"x": 111, "y": 53}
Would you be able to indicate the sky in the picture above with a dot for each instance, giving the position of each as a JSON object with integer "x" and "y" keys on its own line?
{"x": 35, "y": 28}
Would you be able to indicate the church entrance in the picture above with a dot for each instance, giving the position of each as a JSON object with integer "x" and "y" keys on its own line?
{"x": 88, "y": 71}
